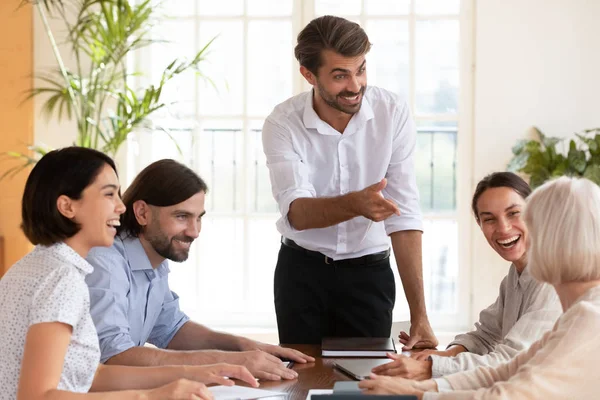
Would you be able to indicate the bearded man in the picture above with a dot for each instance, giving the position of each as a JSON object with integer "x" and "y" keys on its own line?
{"x": 130, "y": 300}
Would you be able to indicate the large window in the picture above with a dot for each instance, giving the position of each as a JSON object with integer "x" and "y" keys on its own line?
{"x": 228, "y": 279}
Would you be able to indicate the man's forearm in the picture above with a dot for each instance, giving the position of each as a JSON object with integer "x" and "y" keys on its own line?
{"x": 152, "y": 357}
{"x": 193, "y": 344}
{"x": 120, "y": 377}
{"x": 312, "y": 213}
{"x": 193, "y": 336}
{"x": 408, "y": 252}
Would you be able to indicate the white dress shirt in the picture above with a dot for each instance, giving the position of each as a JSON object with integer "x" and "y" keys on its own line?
{"x": 306, "y": 157}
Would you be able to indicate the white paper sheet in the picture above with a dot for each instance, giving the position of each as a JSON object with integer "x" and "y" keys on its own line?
{"x": 318, "y": 391}
{"x": 242, "y": 393}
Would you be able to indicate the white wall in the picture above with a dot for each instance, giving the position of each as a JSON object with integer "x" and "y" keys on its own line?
{"x": 537, "y": 62}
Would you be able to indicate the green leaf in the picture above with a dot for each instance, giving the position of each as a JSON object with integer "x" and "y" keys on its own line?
{"x": 538, "y": 178}
{"x": 593, "y": 130}
{"x": 536, "y": 162}
{"x": 591, "y": 143}
{"x": 519, "y": 146}
{"x": 39, "y": 150}
{"x": 562, "y": 168}
{"x": 597, "y": 140}
{"x": 25, "y": 161}
{"x": 550, "y": 142}
{"x": 594, "y": 159}
{"x": 170, "y": 135}
{"x": 572, "y": 146}
{"x": 592, "y": 172}
{"x": 547, "y": 158}
{"x": 577, "y": 159}
{"x": 539, "y": 133}
{"x": 533, "y": 146}
{"x": 518, "y": 162}
{"x": 49, "y": 5}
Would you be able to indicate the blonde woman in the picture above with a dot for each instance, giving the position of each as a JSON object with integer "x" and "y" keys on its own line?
{"x": 563, "y": 217}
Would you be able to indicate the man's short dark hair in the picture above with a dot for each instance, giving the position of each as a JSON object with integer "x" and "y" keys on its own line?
{"x": 163, "y": 183}
{"x": 496, "y": 180}
{"x": 68, "y": 172}
{"x": 330, "y": 33}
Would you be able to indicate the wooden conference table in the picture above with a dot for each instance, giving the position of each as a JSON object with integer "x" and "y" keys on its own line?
{"x": 317, "y": 375}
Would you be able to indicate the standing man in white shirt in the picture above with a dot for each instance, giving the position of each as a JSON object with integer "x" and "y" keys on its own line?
{"x": 342, "y": 172}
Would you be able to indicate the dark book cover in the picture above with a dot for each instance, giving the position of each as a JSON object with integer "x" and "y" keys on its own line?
{"x": 361, "y": 346}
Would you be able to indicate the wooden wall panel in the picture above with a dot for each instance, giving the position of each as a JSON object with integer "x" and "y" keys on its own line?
{"x": 16, "y": 120}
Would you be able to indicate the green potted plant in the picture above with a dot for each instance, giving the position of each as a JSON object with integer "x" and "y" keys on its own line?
{"x": 98, "y": 91}
{"x": 541, "y": 160}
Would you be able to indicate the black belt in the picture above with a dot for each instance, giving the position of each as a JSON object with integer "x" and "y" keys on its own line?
{"x": 364, "y": 260}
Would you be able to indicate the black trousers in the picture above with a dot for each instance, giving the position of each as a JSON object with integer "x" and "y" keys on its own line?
{"x": 314, "y": 300}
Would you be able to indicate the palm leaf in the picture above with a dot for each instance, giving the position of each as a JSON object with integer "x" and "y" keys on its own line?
{"x": 49, "y": 5}
{"x": 97, "y": 93}
{"x": 170, "y": 135}
{"x": 25, "y": 159}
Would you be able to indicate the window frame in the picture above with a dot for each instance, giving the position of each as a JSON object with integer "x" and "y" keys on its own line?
{"x": 135, "y": 154}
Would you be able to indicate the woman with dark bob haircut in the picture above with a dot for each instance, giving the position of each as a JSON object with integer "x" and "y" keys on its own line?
{"x": 49, "y": 347}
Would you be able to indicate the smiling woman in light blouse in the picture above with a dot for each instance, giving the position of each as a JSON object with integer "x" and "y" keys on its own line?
{"x": 525, "y": 308}
{"x": 49, "y": 347}
{"x": 563, "y": 218}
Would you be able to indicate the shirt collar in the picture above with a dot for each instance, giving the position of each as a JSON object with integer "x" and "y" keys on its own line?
{"x": 522, "y": 280}
{"x": 66, "y": 252}
{"x": 312, "y": 120}
{"x": 592, "y": 294}
{"x": 137, "y": 258}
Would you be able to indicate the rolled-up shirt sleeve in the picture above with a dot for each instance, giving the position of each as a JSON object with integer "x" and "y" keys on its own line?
{"x": 170, "y": 320}
{"x": 401, "y": 179}
{"x": 108, "y": 286}
{"x": 488, "y": 330}
{"x": 538, "y": 317}
{"x": 289, "y": 174}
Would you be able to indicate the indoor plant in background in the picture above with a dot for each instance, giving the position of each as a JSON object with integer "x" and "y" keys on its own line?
{"x": 541, "y": 160}
{"x": 97, "y": 92}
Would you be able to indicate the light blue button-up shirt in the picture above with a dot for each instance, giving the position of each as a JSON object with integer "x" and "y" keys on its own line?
{"x": 131, "y": 302}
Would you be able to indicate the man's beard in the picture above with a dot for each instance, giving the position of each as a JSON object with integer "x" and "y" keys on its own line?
{"x": 166, "y": 248}
{"x": 333, "y": 100}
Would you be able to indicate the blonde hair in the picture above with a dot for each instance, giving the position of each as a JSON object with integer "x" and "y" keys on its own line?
{"x": 563, "y": 219}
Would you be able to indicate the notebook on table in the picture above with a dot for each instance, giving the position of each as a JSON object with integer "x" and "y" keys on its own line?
{"x": 359, "y": 368}
{"x": 362, "y": 397}
{"x": 343, "y": 394}
{"x": 357, "y": 347}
